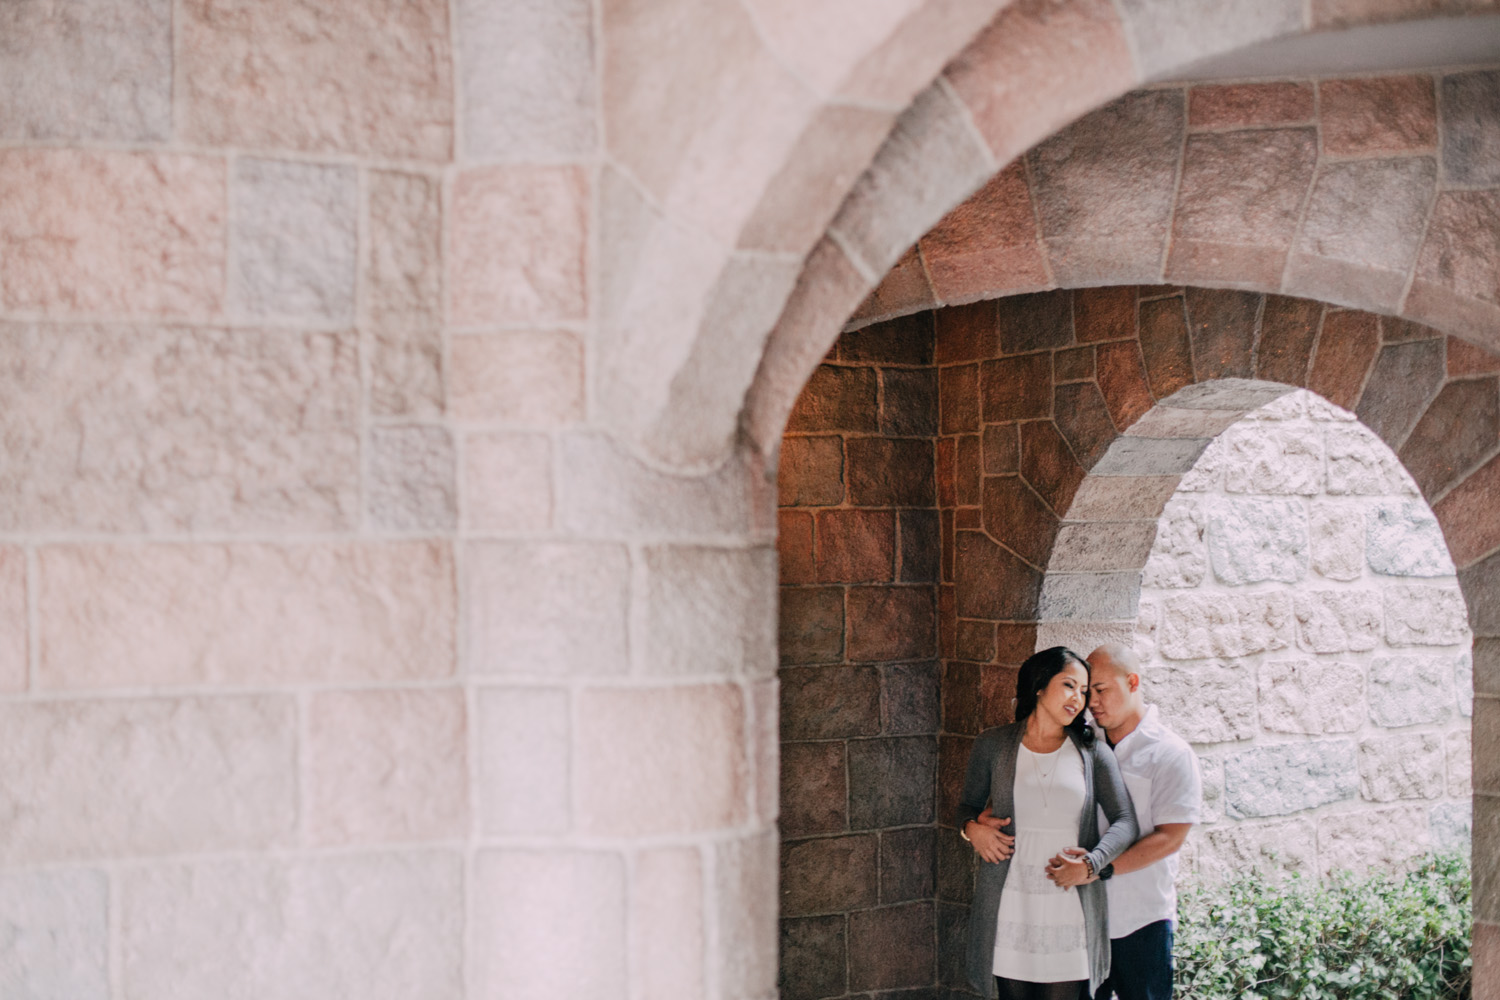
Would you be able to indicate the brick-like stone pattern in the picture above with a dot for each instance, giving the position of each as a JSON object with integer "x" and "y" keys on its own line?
{"x": 859, "y": 667}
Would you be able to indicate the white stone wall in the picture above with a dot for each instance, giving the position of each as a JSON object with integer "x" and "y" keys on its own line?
{"x": 1302, "y": 626}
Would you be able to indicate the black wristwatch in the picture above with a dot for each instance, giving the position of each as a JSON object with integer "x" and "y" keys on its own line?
{"x": 1107, "y": 872}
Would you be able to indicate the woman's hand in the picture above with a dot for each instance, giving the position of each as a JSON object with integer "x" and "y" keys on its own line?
{"x": 989, "y": 843}
{"x": 1068, "y": 870}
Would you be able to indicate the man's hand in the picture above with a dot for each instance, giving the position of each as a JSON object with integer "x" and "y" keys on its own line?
{"x": 1067, "y": 869}
{"x": 989, "y": 843}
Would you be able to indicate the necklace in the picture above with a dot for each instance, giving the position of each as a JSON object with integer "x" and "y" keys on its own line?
{"x": 1043, "y": 780}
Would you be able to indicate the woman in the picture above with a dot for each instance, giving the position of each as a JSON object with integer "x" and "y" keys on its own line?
{"x": 1031, "y": 936}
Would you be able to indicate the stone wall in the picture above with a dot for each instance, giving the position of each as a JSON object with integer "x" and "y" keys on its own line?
{"x": 1332, "y": 716}
{"x": 859, "y": 675}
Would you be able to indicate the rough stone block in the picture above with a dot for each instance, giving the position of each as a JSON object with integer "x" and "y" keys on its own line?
{"x": 689, "y": 765}
{"x": 412, "y": 479}
{"x": 1016, "y": 388}
{"x": 838, "y": 398}
{"x": 1179, "y": 555}
{"x": 890, "y": 782}
{"x": 1234, "y": 105}
{"x": 811, "y": 625}
{"x": 830, "y": 874}
{"x": 244, "y": 614}
{"x": 1288, "y": 330}
{"x": 856, "y": 546}
{"x": 1101, "y": 546}
{"x": 55, "y": 924}
{"x": 1393, "y": 114}
{"x": 1409, "y": 690}
{"x": 919, "y": 546}
{"x": 811, "y": 472}
{"x": 507, "y": 483}
{"x": 196, "y": 774}
{"x": 1463, "y": 684}
{"x": 531, "y": 939}
{"x": 518, "y": 245}
{"x": 890, "y": 623}
{"x": 892, "y": 947}
{"x": 908, "y": 865}
{"x": 744, "y": 909}
{"x": 14, "y": 628}
{"x": 1403, "y": 539}
{"x": 1092, "y": 597}
{"x": 1286, "y": 778}
{"x": 1205, "y": 704}
{"x": 1196, "y": 626}
{"x": 1170, "y": 35}
{"x": 1311, "y": 697}
{"x": 1337, "y": 534}
{"x": 1458, "y": 257}
{"x": 1418, "y": 615}
{"x": 1254, "y": 540}
{"x": 1467, "y": 514}
{"x": 524, "y": 757}
{"x": 814, "y": 789}
{"x": 1272, "y": 459}
{"x": 834, "y": 702}
{"x": 1381, "y": 840}
{"x": 1347, "y": 346}
{"x": 402, "y": 298}
{"x": 1084, "y": 420}
{"x": 1359, "y": 463}
{"x": 294, "y": 241}
{"x": 387, "y": 766}
{"x": 1336, "y": 621}
{"x": 341, "y": 78}
{"x": 709, "y": 610}
{"x": 551, "y": 609}
{"x": 891, "y": 472}
{"x": 910, "y": 701}
{"x": 1459, "y": 765}
{"x": 908, "y": 402}
{"x": 1016, "y": 517}
{"x": 1211, "y": 770}
{"x": 814, "y": 958}
{"x": 87, "y": 71}
{"x": 1459, "y": 429}
{"x": 533, "y": 378}
{"x": 1279, "y": 848}
{"x": 666, "y": 913}
{"x": 1047, "y": 464}
{"x": 132, "y": 234}
{"x": 1449, "y": 825}
{"x": 1471, "y": 127}
{"x": 1401, "y": 767}
{"x": 173, "y": 429}
{"x": 1405, "y": 376}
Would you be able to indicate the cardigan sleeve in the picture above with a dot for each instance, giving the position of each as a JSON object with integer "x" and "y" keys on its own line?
{"x": 1114, "y": 799}
{"x": 976, "y": 794}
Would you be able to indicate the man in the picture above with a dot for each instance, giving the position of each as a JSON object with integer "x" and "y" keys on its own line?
{"x": 1161, "y": 772}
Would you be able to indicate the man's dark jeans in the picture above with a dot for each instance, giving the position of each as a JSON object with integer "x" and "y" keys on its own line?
{"x": 1140, "y": 965}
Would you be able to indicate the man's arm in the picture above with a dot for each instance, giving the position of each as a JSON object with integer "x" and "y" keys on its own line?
{"x": 1160, "y": 843}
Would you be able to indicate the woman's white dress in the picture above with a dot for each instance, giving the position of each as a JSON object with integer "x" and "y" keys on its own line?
{"x": 1040, "y": 937}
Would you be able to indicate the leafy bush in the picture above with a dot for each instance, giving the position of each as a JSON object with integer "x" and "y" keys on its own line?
{"x": 1403, "y": 937}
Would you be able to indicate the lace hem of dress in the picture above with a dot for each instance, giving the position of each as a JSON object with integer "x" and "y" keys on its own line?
{"x": 1043, "y": 939}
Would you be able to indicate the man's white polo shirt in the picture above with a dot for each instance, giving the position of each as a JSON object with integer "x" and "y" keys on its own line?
{"x": 1161, "y": 772}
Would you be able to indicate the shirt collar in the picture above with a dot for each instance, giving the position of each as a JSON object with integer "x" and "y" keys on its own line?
{"x": 1150, "y": 720}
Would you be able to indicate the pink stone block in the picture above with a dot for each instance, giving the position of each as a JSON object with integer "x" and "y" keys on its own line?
{"x": 745, "y": 894}
{"x": 387, "y": 766}
{"x": 1239, "y": 104}
{"x": 507, "y": 483}
{"x": 549, "y": 924}
{"x": 244, "y": 614}
{"x": 533, "y": 378}
{"x": 666, "y": 913}
{"x": 371, "y": 77}
{"x": 1462, "y": 248}
{"x": 1393, "y": 114}
{"x": 904, "y": 289}
{"x": 137, "y": 234}
{"x": 765, "y": 702}
{"x": 686, "y": 749}
{"x": 13, "y": 625}
{"x": 518, "y": 245}
{"x": 988, "y": 244}
{"x": 524, "y": 760}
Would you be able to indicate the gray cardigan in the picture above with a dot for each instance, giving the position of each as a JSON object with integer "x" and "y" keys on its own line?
{"x": 991, "y": 780}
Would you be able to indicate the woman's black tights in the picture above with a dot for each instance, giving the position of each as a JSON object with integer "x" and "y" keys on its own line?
{"x": 1016, "y": 989}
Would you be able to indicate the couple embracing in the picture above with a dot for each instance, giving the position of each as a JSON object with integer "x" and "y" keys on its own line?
{"x": 1078, "y": 832}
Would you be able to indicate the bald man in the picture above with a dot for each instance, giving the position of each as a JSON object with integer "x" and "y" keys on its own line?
{"x": 1161, "y": 772}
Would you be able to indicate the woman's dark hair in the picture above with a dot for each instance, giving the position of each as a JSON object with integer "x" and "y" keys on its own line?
{"x": 1036, "y": 673}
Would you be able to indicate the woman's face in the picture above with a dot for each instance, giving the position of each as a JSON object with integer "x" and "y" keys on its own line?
{"x": 1064, "y": 696}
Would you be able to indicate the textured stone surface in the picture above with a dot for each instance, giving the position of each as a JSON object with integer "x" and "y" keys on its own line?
{"x": 814, "y": 790}
{"x": 1458, "y": 254}
{"x": 1170, "y": 34}
{"x": 811, "y": 626}
{"x": 523, "y": 760}
{"x": 1449, "y": 824}
{"x": 1286, "y": 778}
{"x": 889, "y": 623}
{"x": 1104, "y": 546}
{"x": 1311, "y": 696}
{"x": 1347, "y": 347}
{"x": 507, "y": 482}
{"x": 1360, "y": 464}
{"x": 891, "y": 947}
{"x": 838, "y": 398}
{"x": 1394, "y": 114}
{"x": 1279, "y": 848}
{"x": 193, "y": 775}
{"x": 834, "y": 702}
{"x": 1337, "y": 534}
{"x": 1179, "y": 556}
{"x": 533, "y": 378}
{"x": 1016, "y": 388}
{"x": 294, "y": 241}
{"x": 55, "y": 925}
{"x": 132, "y": 234}
{"x": 527, "y": 78}
{"x": 1255, "y": 540}
{"x": 1335, "y": 621}
{"x": 1089, "y": 596}
{"x": 1383, "y": 840}
{"x": 1239, "y": 104}
{"x": 1166, "y": 346}
{"x": 987, "y": 242}
{"x": 402, "y": 299}
{"x": 1196, "y": 626}
{"x": 687, "y": 747}
{"x": 119, "y": 429}
{"x": 1403, "y": 539}
{"x": 1466, "y": 514}
{"x": 342, "y": 77}
{"x": 1205, "y": 704}
{"x": 829, "y": 874}
{"x": 387, "y": 766}
{"x": 14, "y": 628}
{"x": 1459, "y": 764}
{"x": 1471, "y": 129}
{"x": 517, "y": 245}
{"x": 1460, "y": 428}
{"x": 1401, "y": 767}
{"x": 666, "y": 913}
{"x": 1425, "y": 616}
{"x": 744, "y": 908}
{"x": 709, "y": 610}
{"x": 1288, "y": 330}
{"x": 814, "y": 957}
{"x": 546, "y": 608}
{"x": 244, "y": 614}
{"x": 1405, "y": 377}
{"x": 527, "y": 942}
{"x": 1409, "y": 690}
{"x": 890, "y": 782}
{"x": 84, "y": 70}
{"x": 412, "y": 479}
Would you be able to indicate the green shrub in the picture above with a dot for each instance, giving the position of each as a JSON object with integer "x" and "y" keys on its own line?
{"x": 1403, "y": 937}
